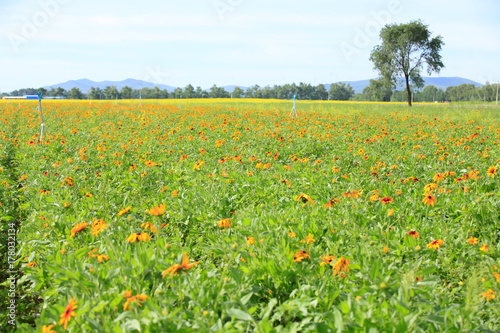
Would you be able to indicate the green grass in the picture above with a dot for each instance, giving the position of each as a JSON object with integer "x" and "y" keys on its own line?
{"x": 377, "y": 150}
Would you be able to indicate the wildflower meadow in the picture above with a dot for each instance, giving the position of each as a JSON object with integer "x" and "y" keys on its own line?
{"x": 229, "y": 215}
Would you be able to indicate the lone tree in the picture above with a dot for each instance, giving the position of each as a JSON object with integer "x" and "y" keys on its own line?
{"x": 404, "y": 50}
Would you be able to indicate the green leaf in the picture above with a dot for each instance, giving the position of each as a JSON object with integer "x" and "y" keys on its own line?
{"x": 344, "y": 307}
{"x": 133, "y": 324}
{"x": 244, "y": 300}
{"x": 427, "y": 270}
{"x": 409, "y": 241}
{"x": 241, "y": 315}
{"x": 269, "y": 309}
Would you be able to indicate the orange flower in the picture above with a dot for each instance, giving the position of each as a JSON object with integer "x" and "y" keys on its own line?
{"x": 136, "y": 298}
{"x": 435, "y": 244}
{"x": 143, "y": 237}
{"x": 250, "y": 240}
{"x": 98, "y": 226}
{"x": 309, "y": 239}
{"x": 472, "y": 240}
{"x": 78, "y": 227}
{"x": 123, "y": 211}
{"x": 68, "y": 313}
{"x": 151, "y": 164}
{"x": 492, "y": 171}
{"x": 224, "y": 223}
{"x": 184, "y": 266}
{"x": 158, "y": 210}
{"x": 340, "y": 266}
{"x": 174, "y": 194}
{"x": 385, "y": 249}
{"x": 438, "y": 177}
{"x": 484, "y": 248}
{"x": 386, "y": 200}
{"x": 328, "y": 259}
{"x": 292, "y": 234}
{"x": 300, "y": 255}
{"x": 429, "y": 200}
{"x": 48, "y": 329}
{"x": 150, "y": 226}
{"x": 489, "y": 295}
{"x": 414, "y": 234}
{"x": 31, "y": 264}
{"x": 332, "y": 203}
{"x": 100, "y": 257}
{"x": 305, "y": 199}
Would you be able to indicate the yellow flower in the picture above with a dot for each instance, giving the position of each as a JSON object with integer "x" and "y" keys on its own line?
{"x": 143, "y": 237}
{"x": 158, "y": 210}
{"x": 48, "y": 329}
{"x": 328, "y": 259}
{"x": 492, "y": 171}
{"x": 224, "y": 223}
{"x": 484, "y": 248}
{"x": 300, "y": 255}
{"x": 250, "y": 240}
{"x": 435, "y": 244}
{"x": 472, "y": 240}
{"x": 98, "y": 226}
{"x": 305, "y": 199}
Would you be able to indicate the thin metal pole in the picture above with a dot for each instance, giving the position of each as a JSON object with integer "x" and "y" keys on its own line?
{"x": 498, "y": 84}
{"x": 42, "y": 126}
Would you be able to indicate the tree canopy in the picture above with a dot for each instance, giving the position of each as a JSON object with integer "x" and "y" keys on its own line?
{"x": 404, "y": 51}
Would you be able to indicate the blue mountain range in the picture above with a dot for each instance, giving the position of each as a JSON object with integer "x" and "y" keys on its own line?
{"x": 85, "y": 84}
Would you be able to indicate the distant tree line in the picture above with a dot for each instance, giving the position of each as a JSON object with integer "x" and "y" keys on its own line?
{"x": 376, "y": 91}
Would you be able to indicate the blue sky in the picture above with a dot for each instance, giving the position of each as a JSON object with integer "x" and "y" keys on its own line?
{"x": 222, "y": 42}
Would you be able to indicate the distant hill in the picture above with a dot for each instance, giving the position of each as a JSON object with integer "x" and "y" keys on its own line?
{"x": 85, "y": 84}
{"x": 438, "y": 82}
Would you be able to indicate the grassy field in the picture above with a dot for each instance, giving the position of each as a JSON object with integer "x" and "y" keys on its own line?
{"x": 227, "y": 215}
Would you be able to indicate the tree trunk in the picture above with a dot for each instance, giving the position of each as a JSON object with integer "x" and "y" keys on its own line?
{"x": 408, "y": 89}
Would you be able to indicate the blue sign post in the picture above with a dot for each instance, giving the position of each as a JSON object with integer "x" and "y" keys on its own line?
{"x": 180, "y": 98}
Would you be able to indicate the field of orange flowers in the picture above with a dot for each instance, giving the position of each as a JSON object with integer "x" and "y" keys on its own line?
{"x": 226, "y": 215}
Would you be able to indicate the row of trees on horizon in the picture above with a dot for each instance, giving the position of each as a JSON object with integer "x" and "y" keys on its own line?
{"x": 376, "y": 91}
